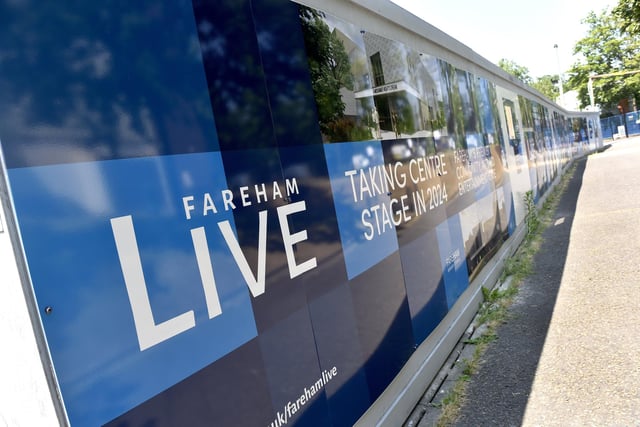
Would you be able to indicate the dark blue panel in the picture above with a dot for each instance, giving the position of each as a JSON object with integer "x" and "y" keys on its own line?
{"x": 286, "y": 69}
{"x": 336, "y": 335}
{"x": 328, "y": 292}
{"x": 234, "y": 73}
{"x": 307, "y": 165}
{"x": 282, "y": 316}
{"x": 296, "y": 382}
{"x": 384, "y": 322}
{"x": 225, "y": 393}
{"x": 101, "y": 80}
{"x": 251, "y": 168}
{"x": 423, "y": 280}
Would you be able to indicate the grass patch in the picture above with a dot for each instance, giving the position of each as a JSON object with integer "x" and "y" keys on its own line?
{"x": 452, "y": 403}
{"x": 494, "y": 309}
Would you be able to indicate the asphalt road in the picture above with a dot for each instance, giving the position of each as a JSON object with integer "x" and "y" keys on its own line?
{"x": 570, "y": 353}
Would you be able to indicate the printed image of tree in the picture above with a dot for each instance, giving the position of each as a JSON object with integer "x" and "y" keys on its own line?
{"x": 330, "y": 70}
{"x": 453, "y": 108}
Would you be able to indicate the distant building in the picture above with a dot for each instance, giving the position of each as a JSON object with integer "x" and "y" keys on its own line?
{"x": 570, "y": 101}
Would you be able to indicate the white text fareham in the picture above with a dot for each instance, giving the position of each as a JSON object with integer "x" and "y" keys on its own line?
{"x": 258, "y": 193}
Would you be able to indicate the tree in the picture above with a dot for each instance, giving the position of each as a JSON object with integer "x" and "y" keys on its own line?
{"x": 547, "y": 85}
{"x": 330, "y": 70}
{"x": 628, "y": 11}
{"x": 516, "y": 70}
{"x": 607, "y": 48}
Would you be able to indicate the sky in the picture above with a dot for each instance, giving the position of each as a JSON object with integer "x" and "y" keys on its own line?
{"x": 522, "y": 31}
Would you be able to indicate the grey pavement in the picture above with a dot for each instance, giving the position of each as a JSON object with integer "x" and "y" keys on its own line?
{"x": 569, "y": 355}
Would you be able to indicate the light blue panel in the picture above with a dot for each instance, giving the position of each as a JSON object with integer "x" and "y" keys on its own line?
{"x": 64, "y": 214}
{"x": 360, "y": 211}
{"x": 452, "y": 255}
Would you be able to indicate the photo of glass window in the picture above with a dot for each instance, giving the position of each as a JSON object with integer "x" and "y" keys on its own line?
{"x": 340, "y": 78}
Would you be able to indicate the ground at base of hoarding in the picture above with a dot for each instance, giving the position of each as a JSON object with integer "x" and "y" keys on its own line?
{"x": 441, "y": 403}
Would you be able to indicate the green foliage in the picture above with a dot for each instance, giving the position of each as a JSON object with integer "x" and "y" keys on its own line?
{"x": 607, "y": 48}
{"x": 490, "y": 295}
{"x": 518, "y": 71}
{"x": 469, "y": 369}
{"x": 628, "y": 11}
{"x": 494, "y": 309}
{"x": 548, "y": 86}
{"x": 485, "y": 338}
{"x": 346, "y": 129}
{"x": 531, "y": 218}
{"x": 451, "y": 404}
{"x": 520, "y": 266}
{"x": 455, "y": 113}
{"x": 330, "y": 70}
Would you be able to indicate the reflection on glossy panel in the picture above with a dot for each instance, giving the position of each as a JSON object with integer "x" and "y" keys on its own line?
{"x": 286, "y": 71}
{"x": 235, "y": 76}
{"x": 276, "y": 265}
{"x": 87, "y": 83}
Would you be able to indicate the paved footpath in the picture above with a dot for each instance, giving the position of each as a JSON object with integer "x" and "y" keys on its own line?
{"x": 570, "y": 354}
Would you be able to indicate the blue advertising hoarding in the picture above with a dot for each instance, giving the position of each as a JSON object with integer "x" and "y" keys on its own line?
{"x": 222, "y": 225}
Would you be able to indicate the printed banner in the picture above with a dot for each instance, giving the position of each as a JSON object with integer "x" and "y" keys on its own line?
{"x": 250, "y": 212}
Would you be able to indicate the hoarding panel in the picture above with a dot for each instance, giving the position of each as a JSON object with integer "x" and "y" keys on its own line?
{"x": 363, "y": 208}
{"x": 279, "y": 264}
{"x": 424, "y": 281}
{"x": 90, "y": 83}
{"x": 113, "y": 250}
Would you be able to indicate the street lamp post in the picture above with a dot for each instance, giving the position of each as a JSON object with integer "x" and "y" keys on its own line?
{"x": 555, "y": 46}
{"x": 590, "y": 89}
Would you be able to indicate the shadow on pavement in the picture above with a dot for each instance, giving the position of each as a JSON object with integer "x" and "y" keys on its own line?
{"x": 498, "y": 394}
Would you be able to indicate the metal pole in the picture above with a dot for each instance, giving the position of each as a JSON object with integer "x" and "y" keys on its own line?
{"x": 593, "y": 76}
{"x": 590, "y": 87}
{"x": 555, "y": 46}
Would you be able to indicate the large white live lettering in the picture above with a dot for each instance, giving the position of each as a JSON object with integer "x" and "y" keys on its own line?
{"x": 149, "y": 333}
{"x": 255, "y": 284}
{"x": 291, "y": 239}
{"x": 206, "y": 272}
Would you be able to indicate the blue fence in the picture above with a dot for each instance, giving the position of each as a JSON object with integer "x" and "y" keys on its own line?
{"x": 610, "y": 124}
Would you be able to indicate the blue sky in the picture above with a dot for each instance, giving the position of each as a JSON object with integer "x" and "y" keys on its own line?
{"x": 522, "y": 31}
